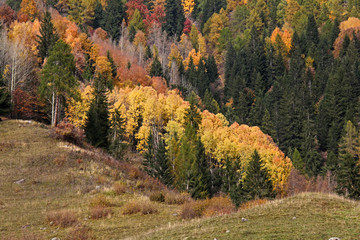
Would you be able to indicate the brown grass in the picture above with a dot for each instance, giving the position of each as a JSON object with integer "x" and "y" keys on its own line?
{"x": 80, "y": 233}
{"x": 142, "y": 206}
{"x": 100, "y": 201}
{"x": 100, "y": 212}
{"x": 157, "y": 197}
{"x": 176, "y": 198}
{"x": 119, "y": 188}
{"x": 253, "y": 203}
{"x": 62, "y": 218}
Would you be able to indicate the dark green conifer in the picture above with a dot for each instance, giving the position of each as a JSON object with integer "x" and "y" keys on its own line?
{"x": 114, "y": 15}
{"x": 156, "y": 68}
{"x": 174, "y": 21}
{"x": 47, "y": 38}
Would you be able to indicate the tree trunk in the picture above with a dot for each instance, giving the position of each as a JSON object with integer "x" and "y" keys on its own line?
{"x": 56, "y": 110}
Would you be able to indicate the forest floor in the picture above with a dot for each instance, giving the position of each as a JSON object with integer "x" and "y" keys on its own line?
{"x": 50, "y": 188}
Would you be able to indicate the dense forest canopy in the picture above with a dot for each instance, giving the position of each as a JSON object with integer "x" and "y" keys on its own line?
{"x": 206, "y": 89}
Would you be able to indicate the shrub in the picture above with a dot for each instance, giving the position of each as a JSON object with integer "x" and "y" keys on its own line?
{"x": 62, "y": 218}
{"x": 135, "y": 173}
{"x": 100, "y": 201}
{"x": 80, "y": 233}
{"x": 157, "y": 197}
{"x": 68, "y": 132}
{"x": 193, "y": 209}
{"x": 100, "y": 212}
{"x": 131, "y": 208}
{"x": 176, "y": 198}
{"x": 144, "y": 207}
{"x": 218, "y": 206}
{"x": 253, "y": 203}
{"x": 119, "y": 188}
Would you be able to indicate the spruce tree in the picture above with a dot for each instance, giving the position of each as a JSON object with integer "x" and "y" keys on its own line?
{"x": 257, "y": 183}
{"x": 99, "y": 15}
{"x": 97, "y": 127}
{"x": 267, "y": 125}
{"x": 112, "y": 64}
{"x": 116, "y": 137}
{"x": 5, "y": 98}
{"x": 312, "y": 33}
{"x": 156, "y": 69}
{"x": 297, "y": 161}
{"x": 47, "y": 38}
{"x": 174, "y": 21}
{"x": 114, "y": 15}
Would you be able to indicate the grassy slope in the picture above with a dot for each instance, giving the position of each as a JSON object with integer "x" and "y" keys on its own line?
{"x": 318, "y": 216}
{"x": 27, "y": 151}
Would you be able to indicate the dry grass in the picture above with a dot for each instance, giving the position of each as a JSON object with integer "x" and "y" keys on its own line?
{"x": 172, "y": 198}
{"x": 253, "y": 203}
{"x": 143, "y": 206}
{"x": 157, "y": 197}
{"x": 100, "y": 212}
{"x": 62, "y": 218}
{"x": 119, "y": 188}
{"x": 101, "y": 201}
{"x": 80, "y": 233}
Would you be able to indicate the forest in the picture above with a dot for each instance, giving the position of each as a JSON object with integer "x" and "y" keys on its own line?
{"x": 218, "y": 96}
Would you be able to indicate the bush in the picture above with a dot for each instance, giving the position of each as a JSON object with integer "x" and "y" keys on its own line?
{"x": 157, "y": 197}
{"x": 135, "y": 173}
{"x": 68, "y": 132}
{"x": 144, "y": 207}
{"x": 62, "y": 218}
{"x": 80, "y": 233}
{"x": 176, "y": 198}
{"x": 193, "y": 209}
{"x": 119, "y": 188}
{"x": 100, "y": 212}
{"x": 218, "y": 206}
{"x": 100, "y": 201}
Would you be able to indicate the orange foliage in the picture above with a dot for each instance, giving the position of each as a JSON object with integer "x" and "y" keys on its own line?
{"x": 285, "y": 35}
{"x": 196, "y": 56}
{"x": 101, "y": 33}
{"x": 350, "y": 28}
{"x": 28, "y": 7}
{"x": 159, "y": 84}
{"x": 7, "y": 15}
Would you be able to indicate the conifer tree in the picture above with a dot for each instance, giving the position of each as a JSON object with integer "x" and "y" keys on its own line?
{"x": 156, "y": 162}
{"x": 257, "y": 183}
{"x": 156, "y": 69}
{"x": 116, "y": 137}
{"x": 5, "y": 98}
{"x": 47, "y": 38}
{"x": 297, "y": 161}
{"x": 114, "y": 16}
{"x": 267, "y": 126}
{"x": 174, "y": 23}
{"x": 312, "y": 33}
{"x": 58, "y": 81}
{"x": 97, "y": 127}
{"x": 112, "y": 64}
{"x": 99, "y": 15}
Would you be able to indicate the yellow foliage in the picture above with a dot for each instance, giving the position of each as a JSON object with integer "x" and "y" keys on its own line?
{"x": 103, "y": 67}
{"x": 352, "y": 22}
{"x": 76, "y": 112}
{"x": 196, "y": 56}
{"x": 285, "y": 36}
{"x": 140, "y": 39}
{"x": 174, "y": 55}
{"x": 188, "y": 6}
{"x": 28, "y": 7}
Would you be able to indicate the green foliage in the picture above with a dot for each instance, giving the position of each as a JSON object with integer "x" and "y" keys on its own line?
{"x": 257, "y": 183}
{"x": 97, "y": 127}
{"x": 99, "y": 14}
{"x": 156, "y": 69}
{"x": 114, "y": 16}
{"x": 297, "y": 161}
{"x": 116, "y": 137}
{"x": 47, "y": 38}
{"x": 14, "y": 4}
{"x": 5, "y": 98}
{"x": 174, "y": 22}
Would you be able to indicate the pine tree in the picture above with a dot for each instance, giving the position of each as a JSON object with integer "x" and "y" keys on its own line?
{"x": 267, "y": 125}
{"x": 58, "y": 81}
{"x": 114, "y": 16}
{"x": 97, "y": 127}
{"x": 297, "y": 161}
{"x": 200, "y": 184}
{"x": 112, "y": 64}
{"x": 47, "y": 38}
{"x": 99, "y": 15}
{"x": 312, "y": 33}
{"x": 116, "y": 137}
{"x": 156, "y": 162}
{"x": 175, "y": 18}
{"x": 5, "y": 98}
{"x": 156, "y": 69}
{"x": 257, "y": 183}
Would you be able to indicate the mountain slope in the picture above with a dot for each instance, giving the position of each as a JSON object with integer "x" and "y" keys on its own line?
{"x": 318, "y": 216}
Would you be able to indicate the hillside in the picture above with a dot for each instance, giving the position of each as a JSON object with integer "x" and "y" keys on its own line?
{"x": 40, "y": 176}
{"x": 318, "y": 216}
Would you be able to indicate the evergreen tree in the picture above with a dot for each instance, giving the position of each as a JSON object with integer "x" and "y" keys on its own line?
{"x": 112, "y": 64}
{"x": 257, "y": 183}
{"x": 97, "y": 127}
{"x": 267, "y": 126}
{"x": 312, "y": 33}
{"x": 114, "y": 16}
{"x": 174, "y": 23}
{"x": 99, "y": 15}
{"x": 58, "y": 81}
{"x": 116, "y": 137}
{"x": 47, "y": 38}
{"x": 200, "y": 184}
{"x": 5, "y": 98}
{"x": 297, "y": 161}
{"x": 156, "y": 163}
{"x": 156, "y": 69}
